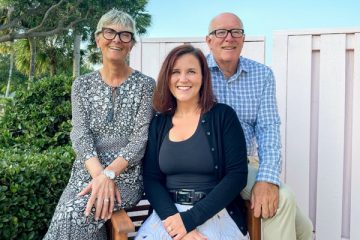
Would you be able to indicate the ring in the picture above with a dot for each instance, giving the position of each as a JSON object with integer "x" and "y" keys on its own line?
{"x": 169, "y": 229}
{"x": 106, "y": 200}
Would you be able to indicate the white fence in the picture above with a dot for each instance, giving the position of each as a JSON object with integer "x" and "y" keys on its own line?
{"x": 318, "y": 80}
{"x": 148, "y": 54}
{"x": 318, "y": 91}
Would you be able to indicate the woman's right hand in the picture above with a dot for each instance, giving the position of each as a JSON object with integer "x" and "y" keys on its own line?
{"x": 103, "y": 194}
{"x": 175, "y": 226}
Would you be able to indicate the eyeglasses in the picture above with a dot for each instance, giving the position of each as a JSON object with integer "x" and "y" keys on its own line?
{"x": 110, "y": 34}
{"x": 222, "y": 33}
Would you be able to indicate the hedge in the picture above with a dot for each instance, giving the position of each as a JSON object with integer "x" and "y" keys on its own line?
{"x": 39, "y": 117}
{"x": 30, "y": 186}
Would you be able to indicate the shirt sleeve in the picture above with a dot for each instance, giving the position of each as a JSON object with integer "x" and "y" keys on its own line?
{"x": 267, "y": 131}
{"x": 133, "y": 152}
{"x": 231, "y": 148}
{"x": 81, "y": 136}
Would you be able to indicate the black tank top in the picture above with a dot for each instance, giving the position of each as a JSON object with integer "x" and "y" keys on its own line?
{"x": 188, "y": 164}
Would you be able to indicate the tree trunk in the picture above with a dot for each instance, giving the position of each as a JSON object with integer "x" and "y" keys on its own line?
{"x": 10, "y": 10}
{"x": 76, "y": 56}
{"x": 52, "y": 69}
{"x": 32, "y": 44}
{"x": 10, "y": 69}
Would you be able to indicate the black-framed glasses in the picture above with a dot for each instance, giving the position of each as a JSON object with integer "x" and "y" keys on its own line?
{"x": 110, "y": 34}
{"x": 222, "y": 33}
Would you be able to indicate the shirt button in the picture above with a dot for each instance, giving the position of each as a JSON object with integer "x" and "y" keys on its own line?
{"x": 212, "y": 149}
{"x": 203, "y": 121}
{"x": 208, "y": 133}
{"x": 231, "y": 212}
{"x": 216, "y": 167}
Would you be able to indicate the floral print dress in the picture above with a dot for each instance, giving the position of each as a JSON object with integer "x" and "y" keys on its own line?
{"x": 108, "y": 122}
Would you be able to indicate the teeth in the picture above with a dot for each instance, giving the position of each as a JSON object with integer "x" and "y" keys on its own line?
{"x": 115, "y": 48}
{"x": 183, "y": 87}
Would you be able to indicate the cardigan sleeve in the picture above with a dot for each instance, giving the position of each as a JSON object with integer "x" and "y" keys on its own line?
{"x": 154, "y": 180}
{"x": 230, "y": 152}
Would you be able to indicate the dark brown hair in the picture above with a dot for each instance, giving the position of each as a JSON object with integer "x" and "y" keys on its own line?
{"x": 163, "y": 100}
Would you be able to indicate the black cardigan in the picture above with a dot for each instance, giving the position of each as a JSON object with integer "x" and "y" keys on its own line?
{"x": 227, "y": 145}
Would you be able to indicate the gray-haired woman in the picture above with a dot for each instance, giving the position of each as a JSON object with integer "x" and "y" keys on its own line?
{"x": 111, "y": 111}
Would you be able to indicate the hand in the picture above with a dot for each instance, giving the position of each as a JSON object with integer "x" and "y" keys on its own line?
{"x": 194, "y": 235}
{"x": 264, "y": 199}
{"x": 103, "y": 193}
{"x": 175, "y": 226}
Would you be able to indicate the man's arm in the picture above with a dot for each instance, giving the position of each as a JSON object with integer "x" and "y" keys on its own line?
{"x": 265, "y": 193}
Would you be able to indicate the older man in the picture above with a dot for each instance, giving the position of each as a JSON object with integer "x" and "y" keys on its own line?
{"x": 249, "y": 87}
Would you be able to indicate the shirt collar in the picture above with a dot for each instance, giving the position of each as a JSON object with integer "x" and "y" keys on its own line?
{"x": 243, "y": 64}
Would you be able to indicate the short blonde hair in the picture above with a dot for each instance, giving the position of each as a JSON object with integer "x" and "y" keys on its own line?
{"x": 115, "y": 16}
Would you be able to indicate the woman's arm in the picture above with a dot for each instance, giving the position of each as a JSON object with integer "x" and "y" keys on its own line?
{"x": 154, "y": 179}
{"x": 103, "y": 190}
{"x": 81, "y": 136}
{"x": 133, "y": 152}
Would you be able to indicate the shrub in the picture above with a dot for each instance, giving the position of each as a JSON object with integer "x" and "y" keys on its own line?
{"x": 30, "y": 186}
{"x": 4, "y": 102}
{"x": 39, "y": 117}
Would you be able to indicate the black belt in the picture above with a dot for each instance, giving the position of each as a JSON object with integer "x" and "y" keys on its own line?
{"x": 186, "y": 196}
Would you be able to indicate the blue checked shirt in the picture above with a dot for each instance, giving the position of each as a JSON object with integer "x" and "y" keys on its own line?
{"x": 251, "y": 92}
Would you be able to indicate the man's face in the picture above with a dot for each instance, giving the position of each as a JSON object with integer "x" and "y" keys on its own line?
{"x": 226, "y": 49}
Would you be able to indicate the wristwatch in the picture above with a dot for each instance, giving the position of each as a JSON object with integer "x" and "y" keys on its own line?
{"x": 108, "y": 173}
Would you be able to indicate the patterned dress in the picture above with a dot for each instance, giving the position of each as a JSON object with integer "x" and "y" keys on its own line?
{"x": 107, "y": 122}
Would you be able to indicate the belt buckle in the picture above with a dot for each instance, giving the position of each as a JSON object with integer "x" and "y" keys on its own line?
{"x": 185, "y": 196}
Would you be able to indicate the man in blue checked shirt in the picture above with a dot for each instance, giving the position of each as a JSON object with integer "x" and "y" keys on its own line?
{"x": 249, "y": 87}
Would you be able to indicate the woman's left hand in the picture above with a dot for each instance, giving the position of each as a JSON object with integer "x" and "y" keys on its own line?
{"x": 103, "y": 194}
{"x": 175, "y": 226}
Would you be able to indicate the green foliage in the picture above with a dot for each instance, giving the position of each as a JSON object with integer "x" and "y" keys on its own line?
{"x": 30, "y": 186}
{"x": 39, "y": 117}
{"x": 17, "y": 80}
{"x": 53, "y": 56}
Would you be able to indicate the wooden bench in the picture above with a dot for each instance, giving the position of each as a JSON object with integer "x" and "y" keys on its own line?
{"x": 124, "y": 225}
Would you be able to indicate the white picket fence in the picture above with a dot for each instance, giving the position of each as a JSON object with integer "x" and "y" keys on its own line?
{"x": 318, "y": 91}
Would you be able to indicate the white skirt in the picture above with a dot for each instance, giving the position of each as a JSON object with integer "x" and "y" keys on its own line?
{"x": 219, "y": 227}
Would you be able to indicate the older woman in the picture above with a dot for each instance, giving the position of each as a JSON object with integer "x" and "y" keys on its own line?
{"x": 111, "y": 111}
{"x": 195, "y": 164}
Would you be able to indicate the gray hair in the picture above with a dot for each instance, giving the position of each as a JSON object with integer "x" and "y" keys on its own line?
{"x": 117, "y": 17}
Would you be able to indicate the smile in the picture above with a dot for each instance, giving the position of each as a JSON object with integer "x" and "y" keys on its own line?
{"x": 115, "y": 48}
{"x": 229, "y": 48}
{"x": 183, "y": 87}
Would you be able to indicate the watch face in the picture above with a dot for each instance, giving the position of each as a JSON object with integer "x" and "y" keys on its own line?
{"x": 110, "y": 174}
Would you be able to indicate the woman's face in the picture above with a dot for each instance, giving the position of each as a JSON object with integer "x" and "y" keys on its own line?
{"x": 186, "y": 79}
{"x": 114, "y": 50}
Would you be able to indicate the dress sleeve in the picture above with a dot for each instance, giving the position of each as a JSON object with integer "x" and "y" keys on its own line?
{"x": 81, "y": 136}
{"x": 267, "y": 131}
{"x": 133, "y": 152}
